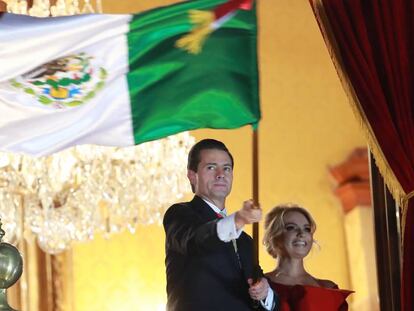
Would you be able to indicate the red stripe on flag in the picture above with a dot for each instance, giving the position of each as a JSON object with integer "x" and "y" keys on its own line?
{"x": 231, "y": 6}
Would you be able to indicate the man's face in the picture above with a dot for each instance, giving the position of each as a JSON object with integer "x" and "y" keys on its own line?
{"x": 214, "y": 176}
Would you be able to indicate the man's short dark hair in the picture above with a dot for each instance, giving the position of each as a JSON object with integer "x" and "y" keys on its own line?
{"x": 205, "y": 144}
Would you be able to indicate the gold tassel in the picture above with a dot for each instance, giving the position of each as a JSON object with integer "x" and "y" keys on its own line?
{"x": 193, "y": 41}
{"x": 390, "y": 179}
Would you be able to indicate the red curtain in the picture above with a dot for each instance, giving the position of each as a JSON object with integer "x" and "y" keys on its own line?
{"x": 374, "y": 41}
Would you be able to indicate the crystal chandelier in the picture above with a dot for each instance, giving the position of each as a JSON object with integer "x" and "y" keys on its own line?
{"x": 85, "y": 190}
{"x": 42, "y": 8}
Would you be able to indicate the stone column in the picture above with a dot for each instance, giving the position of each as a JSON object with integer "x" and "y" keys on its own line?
{"x": 353, "y": 190}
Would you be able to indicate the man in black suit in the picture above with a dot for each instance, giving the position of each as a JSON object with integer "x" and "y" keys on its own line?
{"x": 208, "y": 256}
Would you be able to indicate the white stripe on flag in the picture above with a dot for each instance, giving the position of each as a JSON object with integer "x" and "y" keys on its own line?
{"x": 27, "y": 42}
{"x": 28, "y": 126}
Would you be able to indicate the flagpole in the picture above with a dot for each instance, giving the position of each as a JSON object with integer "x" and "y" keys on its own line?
{"x": 255, "y": 167}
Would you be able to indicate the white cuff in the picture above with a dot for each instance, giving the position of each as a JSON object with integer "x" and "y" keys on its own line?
{"x": 226, "y": 229}
{"x": 268, "y": 302}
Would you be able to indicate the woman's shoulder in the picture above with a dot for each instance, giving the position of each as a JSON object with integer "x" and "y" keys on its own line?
{"x": 271, "y": 276}
{"x": 273, "y": 280}
{"x": 326, "y": 283}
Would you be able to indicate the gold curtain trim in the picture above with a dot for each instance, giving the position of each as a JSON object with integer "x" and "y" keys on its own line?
{"x": 404, "y": 205}
{"x": 390, "y": 179}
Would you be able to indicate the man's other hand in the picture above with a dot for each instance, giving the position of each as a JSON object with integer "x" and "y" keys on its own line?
{"x": 258, "y": 290}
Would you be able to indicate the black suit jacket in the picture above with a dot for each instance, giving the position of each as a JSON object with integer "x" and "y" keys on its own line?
{"x": 203, "y": 273}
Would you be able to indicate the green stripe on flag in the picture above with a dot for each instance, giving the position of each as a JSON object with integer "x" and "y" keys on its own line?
{"x": 173, "y": 91}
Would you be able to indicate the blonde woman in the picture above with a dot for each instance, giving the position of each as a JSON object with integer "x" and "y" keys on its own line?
{"x": 288, "y": 237}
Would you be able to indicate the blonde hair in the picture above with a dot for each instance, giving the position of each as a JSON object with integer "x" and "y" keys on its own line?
{"x": 274, "y": 226}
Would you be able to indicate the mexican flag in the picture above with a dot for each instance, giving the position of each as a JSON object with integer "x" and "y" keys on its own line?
{"x": 121, "y": 80}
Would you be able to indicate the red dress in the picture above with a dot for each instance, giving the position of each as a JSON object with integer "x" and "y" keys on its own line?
{"x": 310, "y": 298}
